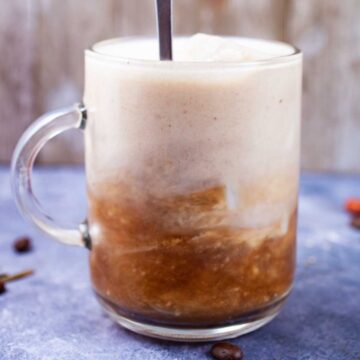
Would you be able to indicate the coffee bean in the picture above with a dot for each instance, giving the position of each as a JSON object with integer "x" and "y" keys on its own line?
{"x": 2, "y": 287}
{"x": 226, "y": 351}
{"x": 22, "y": 245}
{"x": 355, "y": 222}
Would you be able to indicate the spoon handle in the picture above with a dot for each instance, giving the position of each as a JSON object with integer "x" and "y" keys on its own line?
{"x": 164, "y": 28}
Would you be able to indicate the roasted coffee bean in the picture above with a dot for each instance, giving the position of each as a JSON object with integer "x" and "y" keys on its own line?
{"x": 2, "y": 287}
{"x": 22, "y": 245}
{"x": 226, "y": 351}
{"x": 355, "y": 222}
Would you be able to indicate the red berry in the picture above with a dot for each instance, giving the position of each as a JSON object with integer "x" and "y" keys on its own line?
{"x": 352, "y": 205}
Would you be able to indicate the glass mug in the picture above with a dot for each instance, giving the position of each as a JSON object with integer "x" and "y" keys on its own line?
{"x": 192, "y": 173}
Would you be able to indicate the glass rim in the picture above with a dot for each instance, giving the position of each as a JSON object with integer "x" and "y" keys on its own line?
{"x": 275, "y": 60}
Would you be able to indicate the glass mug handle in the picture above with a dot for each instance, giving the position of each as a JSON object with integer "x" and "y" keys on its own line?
{"x": 26, "y": 151}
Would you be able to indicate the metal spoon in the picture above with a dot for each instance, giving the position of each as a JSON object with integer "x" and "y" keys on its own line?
{"x": 164, "y": 29}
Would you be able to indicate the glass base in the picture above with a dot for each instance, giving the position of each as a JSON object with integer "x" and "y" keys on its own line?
{"x": 193, "y": 334}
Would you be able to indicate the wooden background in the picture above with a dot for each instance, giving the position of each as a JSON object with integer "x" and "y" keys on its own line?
{"x": 41, "y": 63}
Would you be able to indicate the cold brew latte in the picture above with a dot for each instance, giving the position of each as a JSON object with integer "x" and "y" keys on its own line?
{"x": 192, "y": 169}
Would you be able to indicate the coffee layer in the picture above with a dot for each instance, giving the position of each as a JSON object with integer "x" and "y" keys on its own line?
{"x": 176, "y": 259}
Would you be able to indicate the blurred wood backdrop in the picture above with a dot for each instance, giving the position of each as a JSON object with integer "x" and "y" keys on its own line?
{"x": 41, "y": 64}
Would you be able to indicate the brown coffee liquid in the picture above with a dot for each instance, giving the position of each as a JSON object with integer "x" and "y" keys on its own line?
{"x": 176, "y": 260}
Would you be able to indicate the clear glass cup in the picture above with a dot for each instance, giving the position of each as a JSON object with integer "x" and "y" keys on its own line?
{"x": 192, "y": 171}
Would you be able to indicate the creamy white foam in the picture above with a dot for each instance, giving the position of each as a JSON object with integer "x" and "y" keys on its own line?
{"x": 200, "y": 47}
{"x": 172, "y": 131}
